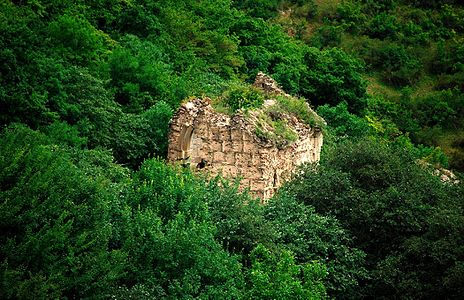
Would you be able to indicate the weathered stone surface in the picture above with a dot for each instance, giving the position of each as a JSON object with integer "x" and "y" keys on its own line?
{"x": 221, "y": 144}
{"x": 269, "y": 85}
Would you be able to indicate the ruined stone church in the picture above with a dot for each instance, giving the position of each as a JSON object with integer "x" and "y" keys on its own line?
{"x": 217, "y": 143}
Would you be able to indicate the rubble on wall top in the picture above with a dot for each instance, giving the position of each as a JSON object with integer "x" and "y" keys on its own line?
{"x": 268, "y": 85}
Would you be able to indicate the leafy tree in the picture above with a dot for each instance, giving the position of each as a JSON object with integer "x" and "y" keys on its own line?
{"x": 258, "y": 9}
{"x": 332, "y": 77}
{"x": 342, "y": 123}
{"x": 274, "y": 276}
{"x": 375, "y": 7}
{"x": 350, "y": 15}
{"x": 327, "y": 36}
{"x": 432, "y": 3}
{"x": 76, "y": 40}
{"x": 442, "y": 108}
{"x": 55, "y": 219}
{"x": 171, "y": 239}
{"x": 312, "y": 237}
{"x": 388, "y": 202}
{"x": 139, "y": 73}
{"x": 285, "y": 228}
{"x": 396, "y": 63}
{"x": 284, "y": 223}
{"x": 239, "y": 218}
{"x": 175, "y": 248}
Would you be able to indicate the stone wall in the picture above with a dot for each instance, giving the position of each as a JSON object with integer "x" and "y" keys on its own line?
{"x": 220, "y": 144}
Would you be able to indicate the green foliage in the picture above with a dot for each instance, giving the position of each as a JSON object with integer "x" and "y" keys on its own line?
{"x": 312, "y": 237}
{"x": 387, "y": 201}
{"x": 432, "y": 3}
{"x": 449, "y": 62}
{"x": 443, "y": 108}
{"x": 171, "y": 240}
{"x": 341, "y": 123}
{"x": 327, "y": 36}
{"x": 259, "y": 9}
{"x": 383, "y": 26}
{"x": 243, "y": 224}
{"x": 173, "y": 251}
{"x": 274, "y": 128}
{"x": 76, "y": 40}
{"x": 239, "y": 218}
{"x": 350, "y": 15}
{"x": 398, "y": 65}
{"x": 282, "y": 130}
{"x": 140, "y": 18}
{"x": 139, "y": 137}
{"x": 198, "y": 33}
{"x": 290, "y": 67}
{"x": 265, "y": 47}
{"x": 397, "y": 116}
{"x": 375, "y": 7}
{"x": 277, "y": 276}
{"x": 299, "y": 108}
{"x": 104, "y": 78}
{"x": 306, "y": 8}
{"x": 139, "y": 73}
{"x": 240, "y": 96}
{"x": 22, "y": 98}
{"x": 332, "y": 77}
{"x": 64, "y": 134}
{"x": 55, "y": 220}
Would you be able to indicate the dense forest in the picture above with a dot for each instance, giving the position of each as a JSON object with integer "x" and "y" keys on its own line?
{"x": 90, "y": 209}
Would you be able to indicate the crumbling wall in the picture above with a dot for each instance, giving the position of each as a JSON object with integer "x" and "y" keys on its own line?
{"x": 220, "y": 144}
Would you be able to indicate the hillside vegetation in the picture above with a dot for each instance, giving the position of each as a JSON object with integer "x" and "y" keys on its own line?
{"x": 89, "y": 208}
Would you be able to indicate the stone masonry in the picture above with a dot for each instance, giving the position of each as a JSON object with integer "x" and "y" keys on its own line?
{"x": 221, "y": 144}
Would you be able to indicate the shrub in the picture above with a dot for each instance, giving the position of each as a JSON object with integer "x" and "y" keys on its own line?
{"x": 374, "y": 7}
{"x": 449, "y": 57}
{"x": 315, "y": 238}
{"x": 444, "y": 108}
{"x": 327, "y": 36}
{"x": 351, "y": 16}
{"x": 299, "y": 108}
{"x": 383, "y": 26}
{"x": 396, "y": 63}
{"x": 244, "y": 96}
{"x": 275, "y": 130}
{"x": 138, "y": 137}
{"x": 259, "y": 9}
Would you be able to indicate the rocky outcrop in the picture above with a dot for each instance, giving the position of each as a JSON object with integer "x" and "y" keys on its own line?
{"x": 446, "y": 176}
{"x": 206, "y": 140}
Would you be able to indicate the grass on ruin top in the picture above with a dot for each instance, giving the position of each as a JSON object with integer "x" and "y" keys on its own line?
{"x": 275, "y": 130}
{"x": 271, "y": 120}
{"x": 299, "y": 108}
{"x": 244, "y": 97}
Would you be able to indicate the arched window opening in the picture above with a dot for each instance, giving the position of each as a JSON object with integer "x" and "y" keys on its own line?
{"x": 184, "y": 142}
